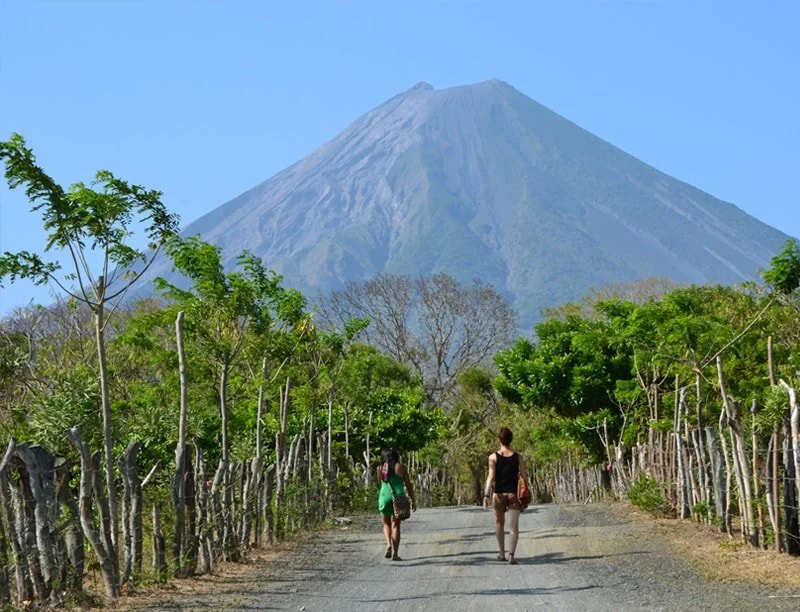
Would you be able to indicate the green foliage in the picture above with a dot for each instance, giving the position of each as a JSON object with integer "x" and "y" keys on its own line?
{"x": 400, "y": 421}
{"x": 784, "y": 273}
{"x": 73, "y": 400}
{"x": 550, "y": 441}
{"x": 348, "y": 495}
{"x": 664, "y": 424}
{"x": 775, "y": 407}
{"x": 587, "y": 431}
{"x": 573, "y": 367}
{"x": 646, "y": 495}
{"x": 149, "y": 422}
{"x": 441, "y": 495}
{"x": 702, "y": 510}
{"x": 84, "y": 218}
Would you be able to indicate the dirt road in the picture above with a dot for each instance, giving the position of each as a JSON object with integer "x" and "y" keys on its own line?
{"x": 570, "y": 558}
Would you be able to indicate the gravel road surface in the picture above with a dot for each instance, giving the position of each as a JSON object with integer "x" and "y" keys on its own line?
{"x": 570, "y": 558}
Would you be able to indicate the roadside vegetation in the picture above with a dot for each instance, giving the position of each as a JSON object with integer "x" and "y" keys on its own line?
{"x": 152, "y": 440}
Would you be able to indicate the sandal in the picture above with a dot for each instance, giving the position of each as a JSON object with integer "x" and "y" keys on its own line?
{"x": 501, "y": 557}
{"x": 512, "y": 560}
{"x": 396, "y": 558}
{"x": 388, "y": 553}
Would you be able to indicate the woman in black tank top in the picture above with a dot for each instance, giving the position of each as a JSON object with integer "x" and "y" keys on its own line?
{"x": 505, "y": 467}
{"x": 506, "y": 472}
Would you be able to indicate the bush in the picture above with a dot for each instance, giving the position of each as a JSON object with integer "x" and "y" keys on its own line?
{"x": 349, "y": 494}
{"x": 441, "y": 495}
{"x": 646, "y": 495}
{"x": 703, "y": 511}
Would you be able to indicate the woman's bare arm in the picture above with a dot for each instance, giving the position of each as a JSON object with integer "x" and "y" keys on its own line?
{"x": 487, "y": 489}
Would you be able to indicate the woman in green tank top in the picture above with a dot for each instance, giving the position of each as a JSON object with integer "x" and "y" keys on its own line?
{"x": 393, "y": 478}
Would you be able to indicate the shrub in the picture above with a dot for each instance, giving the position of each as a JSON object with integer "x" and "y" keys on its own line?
{"x": 646, "y": 495}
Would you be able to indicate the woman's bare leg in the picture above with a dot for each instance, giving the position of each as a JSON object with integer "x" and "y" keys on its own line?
{"x": 387, "y": 533}
{"x": 500, "y": 532}
{"x": 513, "y": 528}
{"x": 396, "y": 538}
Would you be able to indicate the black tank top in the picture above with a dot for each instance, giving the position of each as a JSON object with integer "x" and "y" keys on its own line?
{"x": 506, "y": 473}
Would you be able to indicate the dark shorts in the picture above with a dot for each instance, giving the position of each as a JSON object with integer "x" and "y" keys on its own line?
{"x": 506, "y": 501}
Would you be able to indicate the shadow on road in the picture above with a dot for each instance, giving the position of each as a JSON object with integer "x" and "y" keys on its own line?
{"x": 482, "y": 592}
{"x": 526, "y": 512}
{"x": 487, "y": 557}
{"x": 557, "y": 557}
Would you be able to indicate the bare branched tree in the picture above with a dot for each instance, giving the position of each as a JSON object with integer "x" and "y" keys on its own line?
{"x": 435, "y": 325}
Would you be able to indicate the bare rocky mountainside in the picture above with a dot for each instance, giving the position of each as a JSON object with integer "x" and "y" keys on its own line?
{"x": 481, "y": 181}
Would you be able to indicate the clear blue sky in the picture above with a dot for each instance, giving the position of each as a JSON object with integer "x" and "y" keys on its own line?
{"x": 204, "y": 99}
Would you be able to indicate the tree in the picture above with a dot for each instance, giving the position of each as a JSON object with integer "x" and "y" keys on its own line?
{"x": 784, "y": 272}
{"x": 88, "y": 221}
{"x": 435, "y": 325}
{"x": 222, "y": 309}
{"x": 572, "y": 367}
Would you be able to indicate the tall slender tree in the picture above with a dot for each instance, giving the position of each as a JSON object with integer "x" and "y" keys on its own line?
{"x": 91, "y": 223}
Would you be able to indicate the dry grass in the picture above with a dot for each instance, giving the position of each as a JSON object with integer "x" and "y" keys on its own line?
{"x": 192, "y": 588}
{"x": 718, "y": 556}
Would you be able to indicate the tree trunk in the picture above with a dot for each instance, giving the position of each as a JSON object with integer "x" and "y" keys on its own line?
{"x": 223, "y": 409}
{"x": 205, "y": 558}
{"x": 772, "y": 501}
{"x": 132, "y": 513}
{"x": 685, "y": 510}
{"x": 329, "y": 441}
{"x": 761, "y": 533}
{"x": 347, "y": 436}
{"x": 311, "y": 439}
{"x": 179, "y": 478}
{"x": 739, "y": 459}
{"x": 105, "y": 404}
{"x": 726, "y": 516}
{"x": 717, "y": 478}
{"x": 108, "y": 563}
{"x": 773, "y": 483}
{"x": 794, "y": 420}
{"x": 26, "y": 525}
{"x": 368, "y": 456}
{"x": 5, "y": 563}
{"x": 40, "y": 465}
{"x": 269, "y": 488}
{"x": 21, "y": 569}
{"x": 231, "y": 544}
{"x": 216, "y": 513}
{"x": 260, "y": 409}
{"x": 792, "y": 472}
{"x": 190, "y": 516}
{"x": 281, "y": 459}
{"x": 257, "y": 527}
{"x": 72, "y": 575}
{"x": 248, "y": 492}
{"x": 159, "y": 548}
{"x": 790, "y": 501}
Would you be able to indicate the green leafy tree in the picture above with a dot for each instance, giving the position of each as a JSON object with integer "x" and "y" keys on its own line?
{"x": 573, "y": 367}
{"x": 223, "y": 308}
{"x": 784, "y": 271}
{"x": 88, "y": 221}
